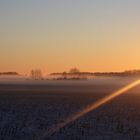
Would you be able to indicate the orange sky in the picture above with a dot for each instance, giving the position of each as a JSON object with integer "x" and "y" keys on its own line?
{"x": 56, "y": 36}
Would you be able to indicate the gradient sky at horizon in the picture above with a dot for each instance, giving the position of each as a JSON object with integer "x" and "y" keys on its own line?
{"x": 55, "y": 35}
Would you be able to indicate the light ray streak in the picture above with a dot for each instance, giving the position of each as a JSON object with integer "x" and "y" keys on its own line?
{"x": 90, "y": 108}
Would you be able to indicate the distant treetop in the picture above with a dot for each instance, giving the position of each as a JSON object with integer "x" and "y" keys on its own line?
{"x": 9, "y": 73}
{"x": 74, "y": 70}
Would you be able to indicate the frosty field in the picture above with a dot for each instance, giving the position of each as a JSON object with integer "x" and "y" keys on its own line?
{"x": 28, "y": 109}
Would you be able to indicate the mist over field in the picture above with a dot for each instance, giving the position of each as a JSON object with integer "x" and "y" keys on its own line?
{"x": 69, "y": 69}
{"x": 29, "y": 108}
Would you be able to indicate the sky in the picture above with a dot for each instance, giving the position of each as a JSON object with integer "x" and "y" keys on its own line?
{"x": 56, "y": 35}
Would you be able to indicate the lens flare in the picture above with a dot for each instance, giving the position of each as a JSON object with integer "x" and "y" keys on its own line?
{"x": 90, "y": 108}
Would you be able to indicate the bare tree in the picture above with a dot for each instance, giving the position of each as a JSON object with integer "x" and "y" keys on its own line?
{"x": 36, "y": 74}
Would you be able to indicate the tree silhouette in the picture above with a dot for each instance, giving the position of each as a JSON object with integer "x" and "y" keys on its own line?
{"x": 74, "y": 71}
{"x": 36, "y": 74}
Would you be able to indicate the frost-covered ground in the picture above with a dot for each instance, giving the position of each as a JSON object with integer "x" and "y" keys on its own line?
{"x": 29, "y": 108}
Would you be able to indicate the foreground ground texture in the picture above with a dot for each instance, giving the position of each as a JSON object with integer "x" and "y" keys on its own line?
{"x": 28, "y": 109}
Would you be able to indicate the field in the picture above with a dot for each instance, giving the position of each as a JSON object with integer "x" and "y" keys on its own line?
{"x": 28, "y": 109}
